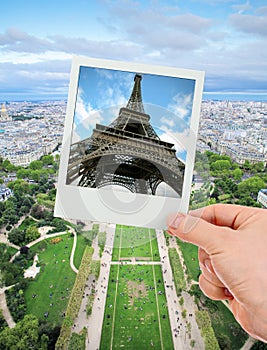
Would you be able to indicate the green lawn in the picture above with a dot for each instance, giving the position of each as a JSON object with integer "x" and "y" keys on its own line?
{"x": 228, "y": 332}
{"x": 190, "y": 255}
{"x": 81, "y": 244}
{"x": 26, "y": 223}
{"x": 50, "y": 290}
{"x": 131, "y": 319}
{"x": 140, "y": 243}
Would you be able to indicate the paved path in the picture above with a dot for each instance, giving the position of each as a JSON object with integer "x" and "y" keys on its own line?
{"x": 248, "y": 344}
{"x": 96, "y": 249}
{"x": 73, "y": 250}
{"x": 5, "y": 310}
{"x": 4, "y": 239}
{"x": 95, "y": 320}
{"x": 178, "y": 324}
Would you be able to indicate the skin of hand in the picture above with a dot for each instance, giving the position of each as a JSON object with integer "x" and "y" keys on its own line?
{"x": 232, "y": 243}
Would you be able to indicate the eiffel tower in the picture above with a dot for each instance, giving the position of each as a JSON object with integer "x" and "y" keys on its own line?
{"x": 128, "y": 153}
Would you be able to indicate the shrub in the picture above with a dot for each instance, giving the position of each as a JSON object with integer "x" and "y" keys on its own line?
{"x": 207, "y": 332}
{"x": 177, "y": 271}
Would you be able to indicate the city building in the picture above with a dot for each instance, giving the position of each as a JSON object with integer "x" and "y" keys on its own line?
{"x": 262, "y": 197}
{"x": 5, "y": 193}
{"x": 31, "y": 130}
{"x": 4, "y": 117}
{"x": 236, "y": 129}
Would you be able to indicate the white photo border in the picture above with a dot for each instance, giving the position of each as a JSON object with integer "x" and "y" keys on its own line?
{"x": 96, "y": 205}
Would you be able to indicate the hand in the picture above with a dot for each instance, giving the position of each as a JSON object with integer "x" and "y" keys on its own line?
{"x": 232, "y": 243}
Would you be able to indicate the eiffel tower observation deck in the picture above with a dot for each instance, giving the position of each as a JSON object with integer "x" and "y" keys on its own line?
{"x": 128, "y": 153}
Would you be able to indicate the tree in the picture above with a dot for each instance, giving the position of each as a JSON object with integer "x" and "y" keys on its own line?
{"x": 237, "y": 174}
{"x": 31, "y": 234}
{"x": 250, "y": 187}
{"x": 48, "y": 159}
{"x": 35, "y": 175}
{"x": 221, "y": 165}
{"x": 247, "y": 165}
{"x": 3, "y": 323}
{"x": 38, "y": 211}
{"x": 23, "y": 336}
{"x": 19, "y": 187}
{"x": 16, "y": 236}
{"x": 258, "y": 167}
{"x": 36, "y": 165}
{"x": 22, "y": 173}
{"x": 8, "y": 166}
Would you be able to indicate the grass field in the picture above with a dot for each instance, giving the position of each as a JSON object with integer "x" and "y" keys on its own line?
{"x": 50, "y": 290}
{"x": 81, "y": 245}
{"x": 190, "y": 255}
{"x": 228, "y": 332}
{"x": 26, "y": 223}
{"x": 134, "y": 242}
{"x": 136, "y": 315}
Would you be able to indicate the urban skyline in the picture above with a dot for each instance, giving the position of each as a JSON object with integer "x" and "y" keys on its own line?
{"x": 235, "y": 128}
{"x": 226, "y": 39}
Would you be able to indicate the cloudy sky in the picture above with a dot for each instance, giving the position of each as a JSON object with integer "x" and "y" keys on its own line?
{"x": 225, "y": 38}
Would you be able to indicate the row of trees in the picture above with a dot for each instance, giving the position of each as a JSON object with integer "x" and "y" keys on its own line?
{"x": 29, "y": 333}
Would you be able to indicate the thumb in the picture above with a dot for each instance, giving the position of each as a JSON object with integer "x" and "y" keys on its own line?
{"x": 197, "y": 231}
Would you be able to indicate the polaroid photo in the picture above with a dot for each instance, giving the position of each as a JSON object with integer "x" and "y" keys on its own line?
{"x": 129, "y": 142}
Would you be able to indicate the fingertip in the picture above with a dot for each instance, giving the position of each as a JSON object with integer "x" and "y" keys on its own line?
{"x": 175, "y": 220}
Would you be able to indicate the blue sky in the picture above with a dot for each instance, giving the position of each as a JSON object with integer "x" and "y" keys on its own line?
{"x": 168, "y": 101}
{"x": 225, "y": 38}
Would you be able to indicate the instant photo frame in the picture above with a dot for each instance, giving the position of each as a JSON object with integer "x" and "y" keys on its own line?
{"x": 129, "y": 142}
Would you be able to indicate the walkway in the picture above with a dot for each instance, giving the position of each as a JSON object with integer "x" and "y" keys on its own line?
{"x": 248, "y": 344}
{"x": 73, "y": 250}
{"x": 3, "y": 305}
{"x": 4, "y": 240}
{"x": 182, "y": 340}
{"x": 95, "y": 320}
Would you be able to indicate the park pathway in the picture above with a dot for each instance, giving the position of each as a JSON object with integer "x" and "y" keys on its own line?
{"x": 248, "y": 344}
{"x": 4, "y": 239}
{"x": 95, "y": 320}
{"x": 3, "y": 305}
{"x": 181, "y": 340}
{"x": 73, "y": 251}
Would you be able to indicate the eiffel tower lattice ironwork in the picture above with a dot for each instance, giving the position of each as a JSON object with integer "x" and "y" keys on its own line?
{"x": 128, "y": 153}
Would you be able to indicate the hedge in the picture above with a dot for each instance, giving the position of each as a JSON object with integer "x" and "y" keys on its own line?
{"x": 207, "y": 332}
{"x": 177, "y": 271}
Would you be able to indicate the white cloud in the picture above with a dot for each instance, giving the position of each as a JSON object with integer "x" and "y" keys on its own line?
{"x": 181, "y": 105}
{"x": 242, "y": 7}
{"x": 85, "y": 116}
{"x": 250, "y": 24}
{"x": 167, "y": 121}
{"x": 181, "y": 141}
{"x": 228, "y": 50}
